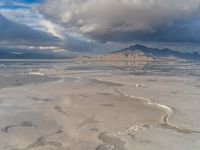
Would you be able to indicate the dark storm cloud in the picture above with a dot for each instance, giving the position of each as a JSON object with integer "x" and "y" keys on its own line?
{"x": 91, "y": 25}
{"x": 127, "y": 20}
{"x": 178, "y": 32}
{"x": 76, "y": 45}
{"x": 19, "y": 34}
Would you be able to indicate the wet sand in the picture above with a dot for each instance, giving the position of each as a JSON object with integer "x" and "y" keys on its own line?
{"x": 99, "y": 111}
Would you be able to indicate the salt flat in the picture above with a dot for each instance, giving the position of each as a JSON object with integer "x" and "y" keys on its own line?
{"x": 99, "y": 106}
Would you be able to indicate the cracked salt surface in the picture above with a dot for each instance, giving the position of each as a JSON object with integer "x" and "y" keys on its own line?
{"x": 99, "y": 111}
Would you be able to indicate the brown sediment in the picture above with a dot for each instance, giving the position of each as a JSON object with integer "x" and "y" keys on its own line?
{"x": 108, "y": 105}
{"x": 22, "y": 124}
{"x": 42, "y": 141}
{"x": 41, "y": 99}
{"x": 104, "y": 93}
{"x": 60, "y": 110}
{"x": 109, "y": 83}
{"x": 110, "y": 142}
{"x": 87, "y": 121}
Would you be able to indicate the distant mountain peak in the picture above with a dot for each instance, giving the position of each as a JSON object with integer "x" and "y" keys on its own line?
{"x": 139, "y": 46}
{"x": 158, "y": 53}
{"x": 143, "y": 53}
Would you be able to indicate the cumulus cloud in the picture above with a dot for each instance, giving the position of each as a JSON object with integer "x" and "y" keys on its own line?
{"x": 126, "y": 20}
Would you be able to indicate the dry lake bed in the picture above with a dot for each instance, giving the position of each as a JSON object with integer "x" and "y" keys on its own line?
{"x": 71, "y": 105}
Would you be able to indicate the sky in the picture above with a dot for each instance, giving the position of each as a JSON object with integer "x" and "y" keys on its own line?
{"x": 99, "y": 26}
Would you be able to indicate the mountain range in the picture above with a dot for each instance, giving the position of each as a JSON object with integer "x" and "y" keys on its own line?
{"x": 143, "y": 53}
{"x": 132, "y": 53}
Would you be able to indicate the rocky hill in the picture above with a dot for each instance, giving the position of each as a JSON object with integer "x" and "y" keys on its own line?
{"x": 143, "y": 53}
